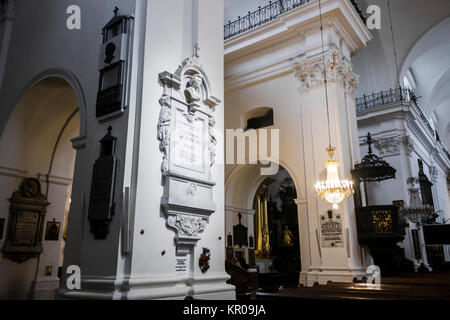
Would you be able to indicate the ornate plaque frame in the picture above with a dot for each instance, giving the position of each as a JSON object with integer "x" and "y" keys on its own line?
{"x": 26, "y": 222}
{"x": 188, "y": 145}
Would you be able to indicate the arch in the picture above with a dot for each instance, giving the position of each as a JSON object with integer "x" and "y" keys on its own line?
{"x": 60, "y": 73}
{"x": 36, "y": 142}
{"x": 236, "y": 173}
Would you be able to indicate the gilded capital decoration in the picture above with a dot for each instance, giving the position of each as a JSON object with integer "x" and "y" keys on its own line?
{"x": 310, "y": 72}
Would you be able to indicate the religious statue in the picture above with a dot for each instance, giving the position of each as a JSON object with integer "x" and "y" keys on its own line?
{"x": 193, "y": 90}
{"x": 287, "y": 237}
{"x": 165, "y": 117}
{"x": 212, "y": 141}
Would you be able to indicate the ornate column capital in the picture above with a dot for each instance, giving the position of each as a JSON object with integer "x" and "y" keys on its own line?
{"x": 310, "y": 72}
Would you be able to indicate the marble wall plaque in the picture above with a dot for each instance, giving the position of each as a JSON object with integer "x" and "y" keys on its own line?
{"x": 189, "y": 144}
{"x": 331, "y": 230}
{"x": 27, "y": 228}
{"x": 181, "y": 265}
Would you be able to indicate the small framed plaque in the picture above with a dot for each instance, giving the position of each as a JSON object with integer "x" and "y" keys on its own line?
{"x": 52, "y": 230}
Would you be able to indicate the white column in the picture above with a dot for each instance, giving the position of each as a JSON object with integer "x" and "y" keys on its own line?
{"x": 341, "y": 264}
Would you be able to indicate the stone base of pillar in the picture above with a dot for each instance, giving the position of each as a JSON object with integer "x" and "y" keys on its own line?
{"x": 213, "y": 287}
{"x": 323, "y": 276}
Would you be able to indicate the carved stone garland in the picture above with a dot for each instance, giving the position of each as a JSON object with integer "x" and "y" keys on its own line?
{"x": 188, "y": 145}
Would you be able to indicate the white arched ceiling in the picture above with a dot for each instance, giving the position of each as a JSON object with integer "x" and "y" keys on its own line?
{"x": 412, "y": 20}
{"x": 429, "y": 62}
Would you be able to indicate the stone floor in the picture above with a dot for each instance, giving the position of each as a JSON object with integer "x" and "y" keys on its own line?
{"x": 408, "y": 287}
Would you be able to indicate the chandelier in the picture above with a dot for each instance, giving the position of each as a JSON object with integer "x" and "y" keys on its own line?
{"x": 417, "y": 212}
{"x": 333, "y": 190}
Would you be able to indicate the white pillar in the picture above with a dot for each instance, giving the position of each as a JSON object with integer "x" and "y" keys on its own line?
{"x": 139, "y": 258}
{"x": 341, "y": 264}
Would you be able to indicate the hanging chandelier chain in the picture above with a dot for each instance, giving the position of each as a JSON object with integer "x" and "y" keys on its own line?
{"x": 325, "y": 75}
{"x": 393, "y": 44}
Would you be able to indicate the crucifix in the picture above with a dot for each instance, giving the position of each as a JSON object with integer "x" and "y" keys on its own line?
{"x": 369, "y": 141}
{"x": 196, "y": 50}
{"x": 116, "y": 11}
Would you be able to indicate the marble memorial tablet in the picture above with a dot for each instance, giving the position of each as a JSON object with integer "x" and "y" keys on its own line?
{"x": 27, "y": 227}
{"x": 189, "y": 144}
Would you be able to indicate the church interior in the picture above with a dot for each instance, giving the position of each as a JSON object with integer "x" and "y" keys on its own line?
{"x": 247, "y": 150}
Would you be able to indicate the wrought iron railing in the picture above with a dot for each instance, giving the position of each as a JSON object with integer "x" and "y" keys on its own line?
{"x": 268, "y": 13}
{"x": 397, "y": 95}
{"x": 381, "y": 98}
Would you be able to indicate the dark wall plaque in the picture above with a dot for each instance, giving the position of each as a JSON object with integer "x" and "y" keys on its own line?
{"x": 102, "y": 202}
{"x": 26, "y": 221}
{"x": 114, "y": 67}
{"x": 240, "y": 234}
{"x": 2, "y": 227}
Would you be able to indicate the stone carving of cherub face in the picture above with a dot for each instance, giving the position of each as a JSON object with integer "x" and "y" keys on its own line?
{"x": 193, "y": 91}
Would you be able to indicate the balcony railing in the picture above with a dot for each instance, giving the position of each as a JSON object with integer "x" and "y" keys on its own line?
{"x": 377, "y": 99}
{"x": 268, "y": 13}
